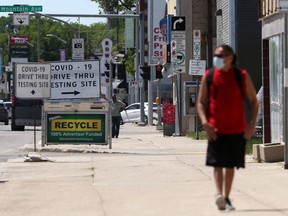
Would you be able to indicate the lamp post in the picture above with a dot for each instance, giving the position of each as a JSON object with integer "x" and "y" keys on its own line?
{"x": 62, "y": 51}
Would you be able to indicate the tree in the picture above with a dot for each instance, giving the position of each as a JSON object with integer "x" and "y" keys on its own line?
{"x": 115, "y": 6}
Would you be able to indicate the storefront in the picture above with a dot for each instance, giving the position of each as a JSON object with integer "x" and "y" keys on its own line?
{"x": 272, "y": 73}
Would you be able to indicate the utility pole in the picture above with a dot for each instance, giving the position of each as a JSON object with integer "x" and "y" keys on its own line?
{"x": 38, "y": 40}
{"x": 178, "y": 112}
{"x": 137, "y": 72}
{"x": 141, "y": 80}
{"x": 285, "y": 91}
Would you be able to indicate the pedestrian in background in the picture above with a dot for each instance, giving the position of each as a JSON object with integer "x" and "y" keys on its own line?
{"x": 117, "y": 108}
{"x": 222, "y": 113}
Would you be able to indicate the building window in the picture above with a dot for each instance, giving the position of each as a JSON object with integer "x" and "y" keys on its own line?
{"x": 276, "y": 80}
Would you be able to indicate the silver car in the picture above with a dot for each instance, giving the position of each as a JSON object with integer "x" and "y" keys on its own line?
{"x": 132, "y": 113}
{"x": 8, "y": 106}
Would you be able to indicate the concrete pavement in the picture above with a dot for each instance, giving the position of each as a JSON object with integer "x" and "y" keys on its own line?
{"x": 144, "y": 174}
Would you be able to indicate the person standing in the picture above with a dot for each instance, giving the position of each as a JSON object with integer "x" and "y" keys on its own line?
{"x": 117, "y": 108}
{"x": 222, "y": 113}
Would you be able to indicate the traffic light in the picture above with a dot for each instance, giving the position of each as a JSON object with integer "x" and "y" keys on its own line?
{"x": 107, "y": 71}
{"x": 159, "y": 71}
{"x": 121, "y": 72}
{"x": 145, "y": 72}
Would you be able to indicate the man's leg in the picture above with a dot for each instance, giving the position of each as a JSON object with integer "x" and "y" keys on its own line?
{"x": 117, "y": 127}
{"x": 113, "y": 127}
{"x": 220, "y": 200}
{"x": 229, "y": 176}
{"x": 218, "y": 176}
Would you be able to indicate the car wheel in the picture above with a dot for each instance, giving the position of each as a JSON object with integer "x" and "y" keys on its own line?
{"x": 7, "y": 122}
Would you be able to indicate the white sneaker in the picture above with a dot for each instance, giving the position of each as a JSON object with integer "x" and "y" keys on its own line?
{"x": 220, "y": 202}
{"x": 228, "y": 205}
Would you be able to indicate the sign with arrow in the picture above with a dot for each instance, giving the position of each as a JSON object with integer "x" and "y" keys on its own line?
{"x": 73, "y": 80}
{"x": 178, "y": 37}
{"x": 32, "y": 80}
{"x": 21, "y": 19}
{"x": 178, "y": 23}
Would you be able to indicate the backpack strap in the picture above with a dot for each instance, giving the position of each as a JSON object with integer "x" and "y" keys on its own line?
{"x": 209, "y": 80}
{"x": 239, "y": 80}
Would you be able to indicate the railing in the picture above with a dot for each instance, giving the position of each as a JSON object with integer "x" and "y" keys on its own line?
{"x": 268, "y": 7}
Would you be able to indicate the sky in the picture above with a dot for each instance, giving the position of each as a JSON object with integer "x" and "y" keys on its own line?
{"x": 62, "y": 7}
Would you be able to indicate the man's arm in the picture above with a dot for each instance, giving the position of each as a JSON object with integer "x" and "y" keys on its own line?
{"x": 201, "y": 108}
{"x": 251, "y": 95}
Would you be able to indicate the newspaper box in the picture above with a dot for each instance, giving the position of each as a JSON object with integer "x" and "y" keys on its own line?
{"x": 168, "y": 119}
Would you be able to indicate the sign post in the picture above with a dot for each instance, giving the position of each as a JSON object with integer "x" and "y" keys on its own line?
{"x": 196, "y": 44}
{"x": 21, "y": 19}
{"x": 66, "y": 128}
{"x": 20, "y": 8}
{"x": 78, "y": 49}
{"x": 178, "y": 34}
{"x": 32, "y": 81}
{"x": 73, "y": 80}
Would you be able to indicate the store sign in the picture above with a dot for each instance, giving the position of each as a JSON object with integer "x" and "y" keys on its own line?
{"x": 76, "y": 128}
{"x": 18, "y": 39}
{"x": 158, "y": 32}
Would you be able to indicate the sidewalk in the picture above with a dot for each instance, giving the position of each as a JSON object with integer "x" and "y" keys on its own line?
{"x": 144, "y": 174}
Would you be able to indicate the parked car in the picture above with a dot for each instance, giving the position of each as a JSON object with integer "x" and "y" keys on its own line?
{"x": 132, "y": 113}
{"x": 8, "y": 106}
{"x": 3, "y": 114}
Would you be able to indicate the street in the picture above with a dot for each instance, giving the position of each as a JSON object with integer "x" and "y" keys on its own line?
{"x": 144, "y": 174}
{"x": 12, "y": 140}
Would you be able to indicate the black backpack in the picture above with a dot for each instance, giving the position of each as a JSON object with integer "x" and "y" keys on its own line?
{"x": 238, "y": 77}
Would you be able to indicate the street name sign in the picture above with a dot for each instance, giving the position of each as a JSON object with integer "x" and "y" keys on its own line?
{"x": 21, "y": 8}
{"x": 197, "y": 67}
{"x": 21, "y": 19}
{"x": 32, "y": 80}
{"x": 73, "y": 80}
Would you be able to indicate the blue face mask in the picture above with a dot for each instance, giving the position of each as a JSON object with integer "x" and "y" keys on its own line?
{"x": 218, "y": 62}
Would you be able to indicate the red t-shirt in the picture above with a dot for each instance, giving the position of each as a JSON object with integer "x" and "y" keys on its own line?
{"x": 226, "y": 109}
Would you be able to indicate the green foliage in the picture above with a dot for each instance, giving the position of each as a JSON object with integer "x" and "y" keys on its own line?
{"x": 6, "y": 28}
{"x": 249, "y": 145}
{"x": 115, "y": 6}
{"x": 251, "y": 142}
{"x": 129, "y": 64}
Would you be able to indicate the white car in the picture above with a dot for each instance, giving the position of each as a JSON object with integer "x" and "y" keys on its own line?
{"x": 132, "y": 113}
{"x": 8, "y": 106}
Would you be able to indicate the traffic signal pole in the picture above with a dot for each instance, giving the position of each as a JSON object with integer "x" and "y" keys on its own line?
{"x": 141, "y": 80}
{"x": 150, "y": 96}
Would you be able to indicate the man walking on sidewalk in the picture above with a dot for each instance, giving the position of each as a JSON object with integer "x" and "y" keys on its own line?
{"x": 221, "y": 110}
{"x": 117, "y": 108}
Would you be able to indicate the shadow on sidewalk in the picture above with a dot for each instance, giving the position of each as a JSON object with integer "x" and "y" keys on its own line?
{"x": 263, "y": 210}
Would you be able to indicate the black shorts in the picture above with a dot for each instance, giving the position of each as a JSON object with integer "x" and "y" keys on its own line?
{"x": 227, "y": 151}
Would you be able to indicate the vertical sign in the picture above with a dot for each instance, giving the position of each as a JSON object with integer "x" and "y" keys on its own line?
{"x": 129, "y": 31}
{"x": 105, "y": 61}
{"x": 197, "y": 44}
{"x": 157, "y": 33}
{"x": 78, "y": 49}
{"x": 178, "y": 34}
